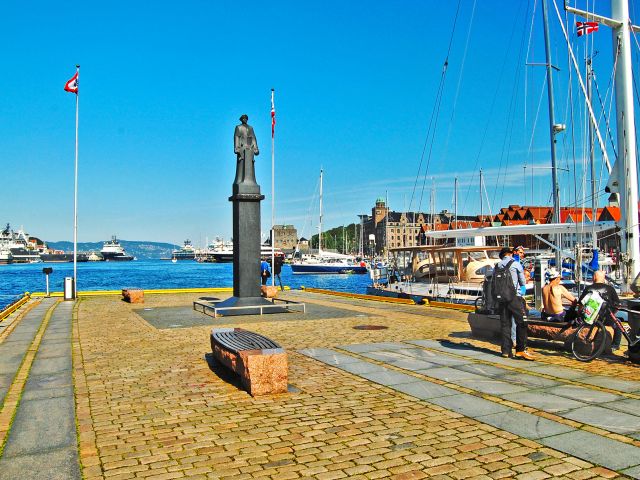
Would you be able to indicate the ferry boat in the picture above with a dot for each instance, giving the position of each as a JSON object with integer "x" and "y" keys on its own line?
{"x": 112, "y": 251}
{"x": 6, "y": 257}
{"x": 186, "y": 252}
{"x": 22, "y": 249}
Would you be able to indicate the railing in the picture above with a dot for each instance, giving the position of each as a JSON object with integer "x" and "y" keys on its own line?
{"x": 14, "y": 304}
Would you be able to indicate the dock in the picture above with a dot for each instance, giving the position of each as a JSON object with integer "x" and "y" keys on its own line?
{"x": 103, "y": 389}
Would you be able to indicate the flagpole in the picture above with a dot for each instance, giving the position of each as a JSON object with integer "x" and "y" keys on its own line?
{"x": 75, "y": 200}
{"x": 273, "y": 195}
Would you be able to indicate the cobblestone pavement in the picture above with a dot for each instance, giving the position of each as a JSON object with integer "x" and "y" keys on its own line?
{"x": 395, "y": 403}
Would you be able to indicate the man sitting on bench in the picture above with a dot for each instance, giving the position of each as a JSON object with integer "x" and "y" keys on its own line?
{"x": 552, "y": 295}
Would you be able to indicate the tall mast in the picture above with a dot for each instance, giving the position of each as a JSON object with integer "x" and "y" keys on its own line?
{"x": 552, "y": 132}
{"x": 481, "y": 204}
{"x": 630, "y": 235}
{"x": 627, "y": 159}
{"x": 594, "y": 201}
{"x": 320, "y": 226}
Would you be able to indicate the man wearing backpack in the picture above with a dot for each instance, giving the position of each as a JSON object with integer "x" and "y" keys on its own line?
{"x": 508, "y": 288}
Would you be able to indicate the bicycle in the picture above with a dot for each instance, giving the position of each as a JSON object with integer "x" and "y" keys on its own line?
{"x": 589, "y": 340}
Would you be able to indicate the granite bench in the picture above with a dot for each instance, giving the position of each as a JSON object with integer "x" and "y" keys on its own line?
{"x": 133, "y": 295}
{"x": 259, "y": 361}
{"x": 488, "y": 326}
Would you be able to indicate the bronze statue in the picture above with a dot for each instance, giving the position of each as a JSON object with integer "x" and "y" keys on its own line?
{"x": 245, "y": 147}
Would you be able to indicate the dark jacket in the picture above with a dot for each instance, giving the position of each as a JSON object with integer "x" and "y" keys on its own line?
{"x": 606, "y": 291}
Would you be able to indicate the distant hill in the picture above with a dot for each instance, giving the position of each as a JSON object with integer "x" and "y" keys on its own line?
{"x": 139, "y": 249}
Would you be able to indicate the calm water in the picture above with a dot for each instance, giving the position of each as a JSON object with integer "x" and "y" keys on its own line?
{"x": 20, "y": 278}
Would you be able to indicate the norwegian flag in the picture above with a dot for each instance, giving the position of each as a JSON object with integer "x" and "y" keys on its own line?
{"x": 273, "y": 115}
{"x": 72, "y": 84}
{"x": 585, "y": 28}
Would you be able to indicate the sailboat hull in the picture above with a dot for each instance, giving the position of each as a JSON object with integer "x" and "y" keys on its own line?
{"x": 328, "y": 269}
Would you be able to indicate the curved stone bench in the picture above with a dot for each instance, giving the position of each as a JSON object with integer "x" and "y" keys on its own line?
{"x": 133, "y": 295}
{"x": 260, "y": 362}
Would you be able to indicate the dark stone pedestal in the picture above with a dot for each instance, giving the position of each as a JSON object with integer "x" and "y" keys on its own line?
{"x": 246, "y": 200}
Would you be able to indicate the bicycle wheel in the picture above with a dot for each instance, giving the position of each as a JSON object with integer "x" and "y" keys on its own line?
{"x": 588, "y": 341}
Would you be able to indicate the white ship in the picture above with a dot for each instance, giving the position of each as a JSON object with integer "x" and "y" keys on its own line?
{"x": 112, "y": 251}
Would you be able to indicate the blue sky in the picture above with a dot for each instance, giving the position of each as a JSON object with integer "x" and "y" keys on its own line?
{"x": 161, "y": 89}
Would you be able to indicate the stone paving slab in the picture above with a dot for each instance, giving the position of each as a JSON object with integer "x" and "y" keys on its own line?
{"x": 372, "y": 347}
{"x": 531, "y": 381}
{"x": 361, "y": 367}
{"x": 53, "y": 465}
{"x": 452, "y": 375}
{"x": 628, "y": 405}
{"x": 413, "y": 365}
{"x": 525, "y": 424}
{"x": 389, "y": 377}
{"x": 611, "y": 420}
{"x": 40, "y": 425}
{"x": 559, "y": 372}
{"x": 425, "y": 390}
{"x": 597, "y": 449}
{"x": 469, "y": 405}
{"x": 386, "y": 356}
{"x": 582, "y": 394}
{"x": 484, "y": 370}
{"x": 612, "y": 383}
{"x": 544, "y": 401}
{"x": 432, "y": 357}
{"x": 330, "y": 357}
{"x": 489, "y": 386}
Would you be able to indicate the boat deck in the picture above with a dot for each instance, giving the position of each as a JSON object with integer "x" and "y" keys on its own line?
{"x": 105, "y": 389}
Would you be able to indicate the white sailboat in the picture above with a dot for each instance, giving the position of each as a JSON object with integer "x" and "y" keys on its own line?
{"x": 327, "y": 262}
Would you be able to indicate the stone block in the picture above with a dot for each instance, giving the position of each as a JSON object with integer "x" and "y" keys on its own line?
{"x": 269, "y": 291}
{"x": 133, "y": 295}
{"x": 262, "y": 372}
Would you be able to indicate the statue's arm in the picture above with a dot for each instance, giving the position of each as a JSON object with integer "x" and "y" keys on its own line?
{"x": 256, "y": 151}
{"x": 236, "y": 141}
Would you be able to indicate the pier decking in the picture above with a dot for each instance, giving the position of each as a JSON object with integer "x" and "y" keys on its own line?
{"x": 105, "y": 389}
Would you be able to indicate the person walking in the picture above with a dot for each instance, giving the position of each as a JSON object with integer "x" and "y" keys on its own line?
{"x": 264, "y": 272}
{"x": 508, "y": 287}
{"x": 277, "y": 268}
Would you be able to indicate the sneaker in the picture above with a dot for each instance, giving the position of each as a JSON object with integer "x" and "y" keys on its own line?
{"x": 525, "y": 355}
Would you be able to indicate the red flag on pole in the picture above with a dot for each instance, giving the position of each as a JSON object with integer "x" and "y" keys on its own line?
{"x": 585, "y": 28}
{"x": 72, "y": 84}
{"x": 273, "y": 115}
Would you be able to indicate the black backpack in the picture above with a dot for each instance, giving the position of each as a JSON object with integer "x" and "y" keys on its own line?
{"x": 502, "y": 284}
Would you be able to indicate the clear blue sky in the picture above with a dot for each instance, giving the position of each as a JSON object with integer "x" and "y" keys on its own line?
{"x": 162, "y": 87}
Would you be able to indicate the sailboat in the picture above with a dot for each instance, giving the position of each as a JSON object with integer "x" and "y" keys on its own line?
{"x": 327, "y": 262}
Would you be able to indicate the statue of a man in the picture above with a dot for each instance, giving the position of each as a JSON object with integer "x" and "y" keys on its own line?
{"x": 245, "y": 147}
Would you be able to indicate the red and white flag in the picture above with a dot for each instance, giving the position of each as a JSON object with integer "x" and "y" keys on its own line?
{"x": 585, "y": 28}
{"x": 273, "y": 115}
{"x": 72, "y": 84}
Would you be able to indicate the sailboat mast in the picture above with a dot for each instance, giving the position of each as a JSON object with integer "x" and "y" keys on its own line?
{"x": 629, "y": 232}
{"x": 320, "y": 225}
{"x": 594, "y": 201}
{"x": 552, "y": 131}
{"x": 481, "y": 203}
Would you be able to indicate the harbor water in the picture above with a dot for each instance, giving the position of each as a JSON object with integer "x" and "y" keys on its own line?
{"x": 152, "y": 274}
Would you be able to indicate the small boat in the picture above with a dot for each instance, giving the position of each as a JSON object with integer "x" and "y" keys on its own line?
{"x": 327, "y": 262}
{"x": 174, "y": 260}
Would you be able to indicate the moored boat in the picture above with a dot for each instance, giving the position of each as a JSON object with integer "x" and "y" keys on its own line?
{"x": 112, "y": 251}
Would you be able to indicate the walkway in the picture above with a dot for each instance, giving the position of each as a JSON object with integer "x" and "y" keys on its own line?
{"x": 564, "y": 404}
{"x": 36, "y": 361}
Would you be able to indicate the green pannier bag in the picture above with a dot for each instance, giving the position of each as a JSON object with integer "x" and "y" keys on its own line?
{"x": 592, "y": 303}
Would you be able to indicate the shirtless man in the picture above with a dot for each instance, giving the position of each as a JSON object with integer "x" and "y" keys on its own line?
{"x": 552, "y": 295}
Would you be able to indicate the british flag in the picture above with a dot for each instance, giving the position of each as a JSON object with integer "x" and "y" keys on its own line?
{"x": 585, "y": 28}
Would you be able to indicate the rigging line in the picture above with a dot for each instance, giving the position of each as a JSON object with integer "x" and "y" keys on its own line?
{"x": 457, "y": 94}
{"x": 508, "y": 136}
{"x": 436, "y": 111}
{"x": 493, "y": 102}
{"x": 573, "y": 130}
{"x": 604, "y": 108}
{"x": 526, "y": 82}
{"x": 583, "y": 88}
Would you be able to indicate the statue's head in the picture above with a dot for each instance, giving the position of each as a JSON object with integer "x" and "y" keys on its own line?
{"x": 244, "y": 118}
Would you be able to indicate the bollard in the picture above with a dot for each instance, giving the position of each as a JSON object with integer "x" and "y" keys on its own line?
{"x": 47, "y": 271}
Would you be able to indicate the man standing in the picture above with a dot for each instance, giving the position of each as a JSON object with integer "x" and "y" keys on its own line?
{"x": 511, "y": 304}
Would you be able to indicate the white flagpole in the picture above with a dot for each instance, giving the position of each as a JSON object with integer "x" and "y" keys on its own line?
{"x": 75, "y": 200}
{"x": 273, "y": 198}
